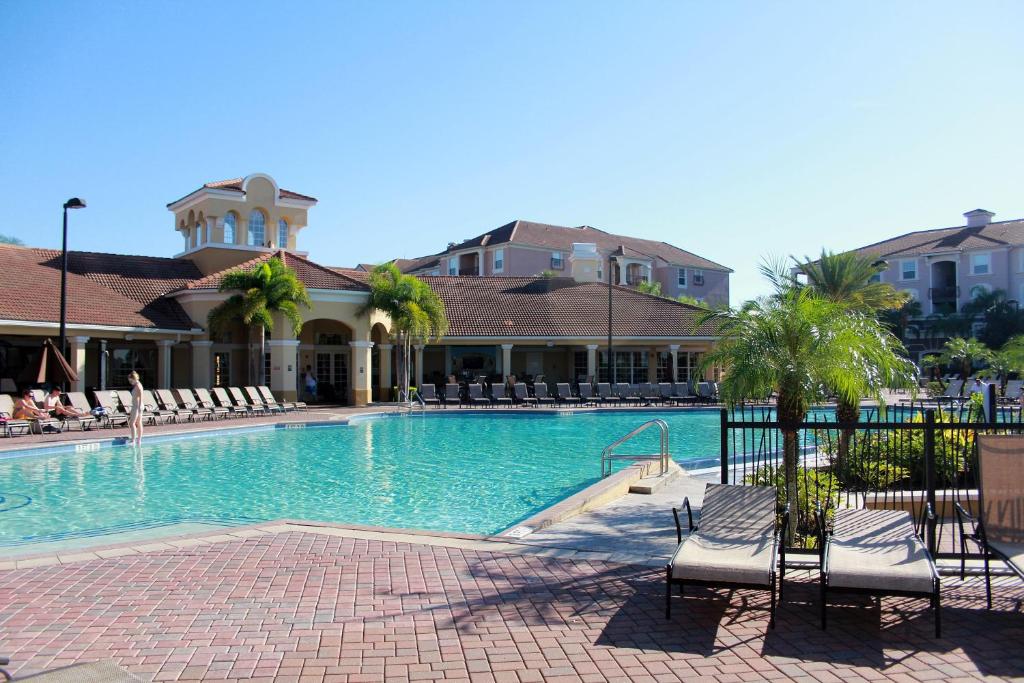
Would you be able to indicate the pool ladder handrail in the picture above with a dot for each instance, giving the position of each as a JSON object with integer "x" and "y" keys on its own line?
{"x": 608, "y": 455}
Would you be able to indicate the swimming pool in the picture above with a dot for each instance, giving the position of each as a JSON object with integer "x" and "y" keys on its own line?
{"x": 473, "y": 473}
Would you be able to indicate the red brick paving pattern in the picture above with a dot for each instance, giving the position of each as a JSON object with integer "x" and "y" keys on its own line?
{"x": 307, "y": 607}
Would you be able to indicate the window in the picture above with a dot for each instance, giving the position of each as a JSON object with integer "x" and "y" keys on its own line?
{"x": 282, "y": 234}
{"x": 908, "y": 269}
{"x": 579, "y": 366}
{"x": 257, "y": 225}
{"x": 630, "y": 366}
{"x": 222, "y": 369}
{"x": 125, "y": 361}
{"x": 636, "y": 273}
{"x": 556, "y": 260}
{"x": 266, "y": 368}
{"x": 499, "y": 260}
{"x": 229, "y": 228}
{"x": 201, "y": 231}
{"x": 681, "y": 277}
{"x": 664, "y": 369}
{"x": 698, "y": 278}
{"x": 453, "y": 266}
{"x": 877, "y": 277}
{"x": 981, "y": 264}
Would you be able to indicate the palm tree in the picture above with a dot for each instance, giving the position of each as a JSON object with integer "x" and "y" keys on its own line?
{"x": 965, "y": 353}
{"x": 1001, "y": 316}
{"x": 271, "y": 287}
{"x": 415, "y": 311}
{"x": 846, "y": 279}
{"x": 794, "y": 343}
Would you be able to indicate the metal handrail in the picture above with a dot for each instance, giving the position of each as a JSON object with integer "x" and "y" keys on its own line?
{"x": 608, "y": 454}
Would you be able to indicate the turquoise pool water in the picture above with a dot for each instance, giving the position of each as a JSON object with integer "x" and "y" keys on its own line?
{"x": 462, "y": 473}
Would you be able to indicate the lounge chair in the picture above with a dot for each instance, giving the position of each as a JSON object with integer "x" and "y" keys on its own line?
{"x": 563, "y": 393}
{"x": 8, "y": 425}
{"x": 255, "y": 398}
{"x": 738, "y": 543}
{"x": 476, "y": 395}
{"x": 604, "y": 393}
{"x": 586, "y": 391}
{"x": 268, "y": 396}
{"x": 625, "y": 393}
{"x": 452, "y": 394}
{"x": 1012, "y": 392}
{"x": 77, "y": 400}
{"x": 522, "y": 396}
{"x": 649, "y": 393}
{"x": 540, "y": 393}
{"x": 428, "y": 394}
{"x": 998, "y": 528}
{"x": 113, "y": 413}
{"x": 220, "y": 394}
{"x": 875, "y": 552}
{"x": 188, "y": 401}
{"x": 500, "y": 395}
{"x": 706, "y": 392}
{"x": 240, "y": 400}
{"x": 159, "y": 417}
{"x": 151, "y": 405}
{"x": 204, "y": 400}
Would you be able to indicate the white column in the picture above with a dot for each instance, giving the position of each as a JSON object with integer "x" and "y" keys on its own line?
{"x": 76, "y": 358}
{"x": 506, "y": 359}
{"x": 480, "y": 263}
{"x": 362, "y": 356}
{"x": 283, "y": 378}
{"x": 674, "y": 349}
{"x": 201, "y": 363}
{"x": 622, "y": 273}
{"x": 419, "y": 364}
{"x": 164, "y": 362}
{"x": 385, "y": 370}
{"x": 211, "y": 223}
{"x": 592, "y": 362}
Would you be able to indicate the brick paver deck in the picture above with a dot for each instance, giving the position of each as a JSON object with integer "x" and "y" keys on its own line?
{"x": 298, "y": 606}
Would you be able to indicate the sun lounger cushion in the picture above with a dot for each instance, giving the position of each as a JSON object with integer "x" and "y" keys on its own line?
{"x": 877, "y": 549}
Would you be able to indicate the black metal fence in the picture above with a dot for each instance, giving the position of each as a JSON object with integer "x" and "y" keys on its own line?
{"x": 902, "y": 457}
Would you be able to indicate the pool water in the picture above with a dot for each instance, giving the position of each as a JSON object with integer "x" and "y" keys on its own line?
{"x": 444, "y": 472}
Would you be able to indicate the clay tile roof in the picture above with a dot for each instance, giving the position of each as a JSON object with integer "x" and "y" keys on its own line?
{"x": 103, "y": 289}
{"x": 558, "y": 307}
{"x": 961, "y": 238}
{"x": 235, "y": 184}
{"x": 562, "y": 238}
{"x": 313, "y": 275}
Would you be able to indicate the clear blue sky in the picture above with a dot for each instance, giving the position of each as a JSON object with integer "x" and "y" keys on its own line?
{"x": 731, "y": 129}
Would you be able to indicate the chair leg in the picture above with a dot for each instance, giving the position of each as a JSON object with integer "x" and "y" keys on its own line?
{"x": 822, "y": 599}
{"x": 988, "y": 581}
{"x": 771, "y": 618}
{"x": 937, "y": 610}
{"x": 668, "y": 592}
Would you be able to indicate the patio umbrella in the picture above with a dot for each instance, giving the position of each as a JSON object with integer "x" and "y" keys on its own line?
{"x": 53, "y": 367}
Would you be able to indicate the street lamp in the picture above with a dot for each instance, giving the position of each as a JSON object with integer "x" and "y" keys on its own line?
{"x": 611, "y": 353}
{"x": 73, "y": 203}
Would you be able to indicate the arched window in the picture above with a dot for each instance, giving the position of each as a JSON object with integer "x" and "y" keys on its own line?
{"x": 257, "y": 224}
{"x": 282, "y": 234}
{"x": 229, "y": 228}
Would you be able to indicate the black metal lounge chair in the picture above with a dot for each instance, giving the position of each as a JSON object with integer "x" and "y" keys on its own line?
{"x": 998, "y": 527}
{"x": 522, "y": 396}
{"x": 428, "y": 394}
{"x": 452, "y": 394}
{"x": 586, "y": 391}
{"x": 625, "y": 393}
{"x": 540, "y": 392}
{"x": 563, "y": 393}
{"x": 604, "y": 393}
{"x": 738, "y": 543}
{"x": 649, "y": 393}
{"x": 500, "y": 396}
{"x": 476, "y": 395}
{"x": 876, "y": 552}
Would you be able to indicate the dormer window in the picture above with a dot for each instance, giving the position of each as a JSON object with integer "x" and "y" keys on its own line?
{"x": 257, "y": 228}
{"x": 230, "y": 221}
{"x": 282, "y": 234}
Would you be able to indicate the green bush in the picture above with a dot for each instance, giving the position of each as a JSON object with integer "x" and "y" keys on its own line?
{"x": 814, "y": 487}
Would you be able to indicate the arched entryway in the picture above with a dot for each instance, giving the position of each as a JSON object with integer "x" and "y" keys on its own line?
{"x": 325, "y": 354}
{"x": 382, "y": 368}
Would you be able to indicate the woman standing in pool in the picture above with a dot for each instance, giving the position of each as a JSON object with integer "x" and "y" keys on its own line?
{"x": 135, "y": 416}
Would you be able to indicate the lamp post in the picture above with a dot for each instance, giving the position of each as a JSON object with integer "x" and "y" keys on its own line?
{"x": 611, "y": 353}
{"x": 73, "y": 203}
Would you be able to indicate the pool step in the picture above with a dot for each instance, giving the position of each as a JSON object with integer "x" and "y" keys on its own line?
{"x": 651, "y": 484}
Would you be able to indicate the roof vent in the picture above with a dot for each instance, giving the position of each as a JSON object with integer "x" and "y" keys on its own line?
{"x": 978, "y": 218}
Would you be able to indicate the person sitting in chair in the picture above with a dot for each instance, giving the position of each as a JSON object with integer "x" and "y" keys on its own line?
{"x": 25, "y": 408}
{"x": 54, "y": 406}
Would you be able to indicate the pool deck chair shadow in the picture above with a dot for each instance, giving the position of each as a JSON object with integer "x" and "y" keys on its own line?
{"x": 522, "y": 396}
{"x": 736, "y": 544}
{"x": 268, "y": 397}
{"x": 875, "y": 552}
{"x": 998, "y": 529}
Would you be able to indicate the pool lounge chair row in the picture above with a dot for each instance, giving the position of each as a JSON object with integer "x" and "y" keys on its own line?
{"x": 740, "y": 542}
{"x": 159, "y": 406}
{"x": 604, "y": 393}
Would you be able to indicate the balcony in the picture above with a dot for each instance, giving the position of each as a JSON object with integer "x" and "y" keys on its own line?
{"x": 938, "y": 294}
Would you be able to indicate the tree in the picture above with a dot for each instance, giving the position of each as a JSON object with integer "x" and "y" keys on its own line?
{"x": 1002, "y": 317}
{"x": 652, "y": 288}
{"x": 794, "y": 343}
{"x": 415, "y": 311}
{"x": 899, "y": 319}
{"x": 846, "y": 280}
{"x": 691, "y": 300}
{"x": 8, "y": 239}
{"x": 964, "y": 353}
{"x": 269, "y": 288}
